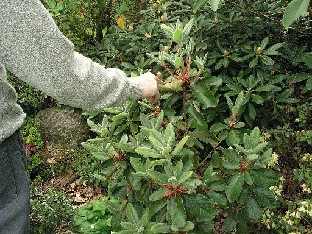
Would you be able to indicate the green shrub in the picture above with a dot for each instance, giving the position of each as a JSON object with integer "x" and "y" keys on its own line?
{"x": 94, "y": 217}
{"x": 30, "y": 99}
{"x": 33, "y": 144}
{"x": 49, "y": 210}
{"x": 233, "y": 120}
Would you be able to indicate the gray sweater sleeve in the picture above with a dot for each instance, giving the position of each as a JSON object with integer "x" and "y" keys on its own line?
{"x": 34, "y": 50}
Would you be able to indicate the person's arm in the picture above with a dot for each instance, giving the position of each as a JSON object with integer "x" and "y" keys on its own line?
{"x": 34, "y": 50}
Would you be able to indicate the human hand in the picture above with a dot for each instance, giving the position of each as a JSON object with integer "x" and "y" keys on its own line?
{"x": 149, "y": 84}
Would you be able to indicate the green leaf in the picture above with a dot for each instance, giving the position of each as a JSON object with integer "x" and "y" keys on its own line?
{"x": 160, "y": 162}
{"x": 234, "y": 187}
{"x": 267, "y": 60}
{"x": 137, "y": 165}
{"x": 178, "y": 36}
{"x": 307, "y": 59}
{"x": 239, "y": 125}
{"x": 218, "y": 198}
{"x": 159, "y": 120}
{"x": 157, "y": 176}
{"x": 200, "y": 206}
{"x": 205, "y": 96}
{"x": 176, "y": 212}
{"x": 156, "y": 206}
{"x": 211, "y": 81}
{"x": 197, "y": 116}
{"x": 239, "y": 102}
{"x": 161, "y": 228}
{"x": 235, "y": 87}
{"x": 257, "y": 98}
{"x": 252, "y": 141}
{"x": 120, "y": 116}
{"x": 265, "y": 197}
{"x": 298, "y": 77}
{"x": 217, "y": 186}
{"x": 188, "y": 227}
{"x": 214, "y": 4}
{"x": 266, "y": 157}
{"x": 132, "y": 214}
{"x": 217, "y": 127}
{"x": 180, "y": 145}
{"x": 229, "y": 102}
{"x": 178, "y": 61}
{"x": 252, "y": 111}
{"x": 187, "y": 28}
{"x": 206, "y": 136}
{"x": 273, "y": 49}
{"x": 169, "y": 135}
{"x": 264, "y": 177}
{"x": 233, "y": 138}
{"x": 128, "y": 225}
{"x": 248, "y": 178}
{"x": 264, "y": 42}
{"x": 254, "y": 62}
{"x": 145, "y": 121}
{"x": 309, "y": 84}
{"x": 259, "y": 147}
{"x": 232, "y": 159}
{"x": 268, "y": 88}
{"x": 208, "y": 173}
{"x": 147, "y": 152}
{"x": 231, "y": 165}
{"x": 145, "y": 219}
{"x": 199, "y": 4}
{"x": 156, "y": 143}
{"x": 294, "y": 10}
{"x": 158, "y": 194}
{"x": 229, "y": 224}
{"x": 253, "y": 210}
{"x": 131, "y": 228}
{"x": 95, "y": 128}
{"x": 167, "y": 30}
{"x": 185, "y": 176}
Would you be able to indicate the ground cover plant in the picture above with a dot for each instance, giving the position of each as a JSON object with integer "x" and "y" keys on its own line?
{"x": 228, "y": 147}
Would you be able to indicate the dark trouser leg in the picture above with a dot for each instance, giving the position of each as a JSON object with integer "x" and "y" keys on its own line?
{"x": 14, "y": 187}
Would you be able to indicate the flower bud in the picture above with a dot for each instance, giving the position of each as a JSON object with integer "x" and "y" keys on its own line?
{"x": 259, "y": 50}
{"x": 226, "y": 53}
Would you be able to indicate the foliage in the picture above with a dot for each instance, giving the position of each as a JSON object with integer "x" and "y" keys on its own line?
{"x": 166, "y": 174}
{"x": 94, "y": 217}
{"x": 48, "y": 210}
{"x": 234, "y": 116}
{"x": 86, "y": 22}
{"x": 298, "y": 213}
{"x": 294, "y": 10}
{"x": 30, "y": 99}
{"x": 33, "y": 143}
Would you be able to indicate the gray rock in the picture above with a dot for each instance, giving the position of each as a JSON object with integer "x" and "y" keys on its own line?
{"x": 62, "y": 126}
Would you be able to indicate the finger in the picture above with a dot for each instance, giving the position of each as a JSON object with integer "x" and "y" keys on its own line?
{"x": 159, "y": 75}
{"x": 159, "y": 81}
{"x": 154, "y": 99}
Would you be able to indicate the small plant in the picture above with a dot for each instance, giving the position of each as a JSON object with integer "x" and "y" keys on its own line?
{"x": 94, "y": 217}
{"x": 30, "y": 99}
{"x": 49, "y": 210}
{"x": 33, "y": 143}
